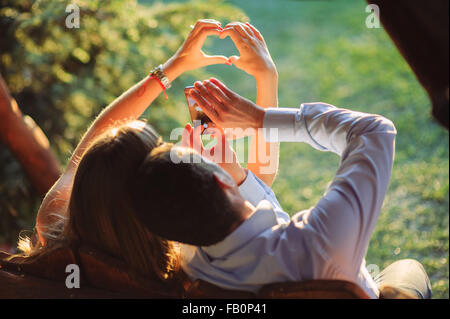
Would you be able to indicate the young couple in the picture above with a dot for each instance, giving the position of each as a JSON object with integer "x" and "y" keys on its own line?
{"x": 123, "y": 193}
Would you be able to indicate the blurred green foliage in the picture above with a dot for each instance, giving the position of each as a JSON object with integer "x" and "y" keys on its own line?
{"x": 63, "y": 77}
{"x": 323, "y": 52}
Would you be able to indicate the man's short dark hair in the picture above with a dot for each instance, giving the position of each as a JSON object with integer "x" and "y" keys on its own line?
{"x": 182, "y": 201}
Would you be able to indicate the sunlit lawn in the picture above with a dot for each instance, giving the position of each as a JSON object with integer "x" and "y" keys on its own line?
{"x": 324, "y": 52}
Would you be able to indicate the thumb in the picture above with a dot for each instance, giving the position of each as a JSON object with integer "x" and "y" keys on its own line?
{"x": 216, "y": 59}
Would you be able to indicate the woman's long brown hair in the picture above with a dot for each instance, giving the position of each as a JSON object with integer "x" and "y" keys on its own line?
{"x": 100, "y": 213}
{"x": 100, "y": 208}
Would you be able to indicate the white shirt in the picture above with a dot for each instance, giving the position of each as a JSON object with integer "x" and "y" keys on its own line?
{"x": 327, "y": 241}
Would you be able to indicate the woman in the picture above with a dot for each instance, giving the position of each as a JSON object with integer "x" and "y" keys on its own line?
{"x": 90, "y": 203}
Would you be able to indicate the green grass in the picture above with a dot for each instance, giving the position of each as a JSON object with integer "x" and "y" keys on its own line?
{"x": 324, "y": 52}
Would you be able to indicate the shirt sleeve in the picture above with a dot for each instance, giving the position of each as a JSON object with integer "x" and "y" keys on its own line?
{"x": 251, "y": 190}
{"x": 255, "y": 190}
{"x": 344, "y": 218}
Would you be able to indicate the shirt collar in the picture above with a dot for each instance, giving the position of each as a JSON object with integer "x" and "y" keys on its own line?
{"x": 263, "y": 218}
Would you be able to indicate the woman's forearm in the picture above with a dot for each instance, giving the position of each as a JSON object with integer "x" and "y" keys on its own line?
{"x": 266, "y": 154}
{"x": 127, "y": 107}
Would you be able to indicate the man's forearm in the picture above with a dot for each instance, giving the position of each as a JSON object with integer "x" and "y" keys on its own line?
{"x": 321, "y": 125}
{"x": 266, "y": 154}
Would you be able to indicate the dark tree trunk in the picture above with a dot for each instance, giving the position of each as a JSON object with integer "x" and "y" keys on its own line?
{"x": 420, "y": 30}
{"x": 27, "y": 142}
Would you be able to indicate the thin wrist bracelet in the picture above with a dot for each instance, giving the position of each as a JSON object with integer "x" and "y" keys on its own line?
{"x": 161, "y": 76}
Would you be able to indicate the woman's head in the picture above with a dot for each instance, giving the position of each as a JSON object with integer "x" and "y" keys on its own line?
{"x": 101, "y": 213}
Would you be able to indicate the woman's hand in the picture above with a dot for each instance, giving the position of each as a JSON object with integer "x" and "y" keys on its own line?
{"x": 255, "y": 58}
{"x": 190, "y": 55}
{"x": 222, "y": 153}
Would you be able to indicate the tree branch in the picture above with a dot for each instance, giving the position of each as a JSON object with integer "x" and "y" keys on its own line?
{"x": 27, "y": 142}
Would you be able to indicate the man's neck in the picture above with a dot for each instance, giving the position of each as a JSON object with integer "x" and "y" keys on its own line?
{"x": 247, "y": 210}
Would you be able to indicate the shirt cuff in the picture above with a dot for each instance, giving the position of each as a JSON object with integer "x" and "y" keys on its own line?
{"x": 281, "y": 124}
{"x": 251, "y": 190}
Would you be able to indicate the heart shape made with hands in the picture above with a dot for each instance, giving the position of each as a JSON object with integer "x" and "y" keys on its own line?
{"x": 244, "y": 38}
{"x": 254, "y": 57}
{"x": 225, "y": 46}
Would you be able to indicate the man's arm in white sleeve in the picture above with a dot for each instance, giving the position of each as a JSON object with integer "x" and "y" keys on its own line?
{"x": 255, "y": 190}
{"x": 346, "y": 215}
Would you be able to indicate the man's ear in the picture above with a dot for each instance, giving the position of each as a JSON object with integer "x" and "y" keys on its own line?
{"x": 224, "y": 181}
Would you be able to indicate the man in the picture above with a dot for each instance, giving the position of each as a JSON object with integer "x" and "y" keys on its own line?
{"x": 329, "y": 240}
{"x": 253, "y": 242}
{"x": 234, "y": 231}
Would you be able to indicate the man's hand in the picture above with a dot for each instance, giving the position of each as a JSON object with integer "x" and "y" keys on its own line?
{"x": 255, "y": 58}
{"x": 226, "y": 108}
